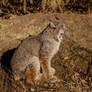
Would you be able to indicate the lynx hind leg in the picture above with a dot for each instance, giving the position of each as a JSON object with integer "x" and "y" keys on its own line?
{"x": 33, "y": 71}
{"x": 30, "y": 74}
{"x": 18, "y": 76}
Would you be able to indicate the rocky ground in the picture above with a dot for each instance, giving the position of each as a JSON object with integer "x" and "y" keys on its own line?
{"x": 73, "y": 62}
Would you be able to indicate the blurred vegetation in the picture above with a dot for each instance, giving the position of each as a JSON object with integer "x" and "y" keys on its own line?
{"x": 31, "y": 6}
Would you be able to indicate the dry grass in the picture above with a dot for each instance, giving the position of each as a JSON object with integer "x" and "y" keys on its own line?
{"x": 76, "y": 84}
{"x": 52, "y": 5}
{"x": 20, "y": 7}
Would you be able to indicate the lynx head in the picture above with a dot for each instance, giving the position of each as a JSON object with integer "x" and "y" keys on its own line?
{"x": 55, "y": 29}
{"x": 59, "y": 28}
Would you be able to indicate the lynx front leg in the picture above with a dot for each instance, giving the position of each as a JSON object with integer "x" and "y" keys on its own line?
{"x": 47, "y": 70}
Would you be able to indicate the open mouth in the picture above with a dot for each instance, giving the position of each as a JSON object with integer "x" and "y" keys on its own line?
{"x": 61, "y": 35}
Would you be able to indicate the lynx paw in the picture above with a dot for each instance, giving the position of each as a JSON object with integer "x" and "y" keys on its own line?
{"x": 54, "y": 79}
{"x": 39, "y": 78}
{"x": 53, "y": 71}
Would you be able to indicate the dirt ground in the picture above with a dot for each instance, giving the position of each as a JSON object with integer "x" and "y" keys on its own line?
{"x": 73, "y": 64}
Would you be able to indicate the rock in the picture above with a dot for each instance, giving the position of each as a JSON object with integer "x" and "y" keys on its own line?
{"x": 17, "y": 29}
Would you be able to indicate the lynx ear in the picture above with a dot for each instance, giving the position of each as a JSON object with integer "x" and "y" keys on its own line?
{"x": 57, "y": 19}
{"x": 52, "y": 25}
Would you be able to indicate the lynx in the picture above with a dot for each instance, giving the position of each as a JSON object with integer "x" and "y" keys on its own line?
{"x": 36, "y": 52}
